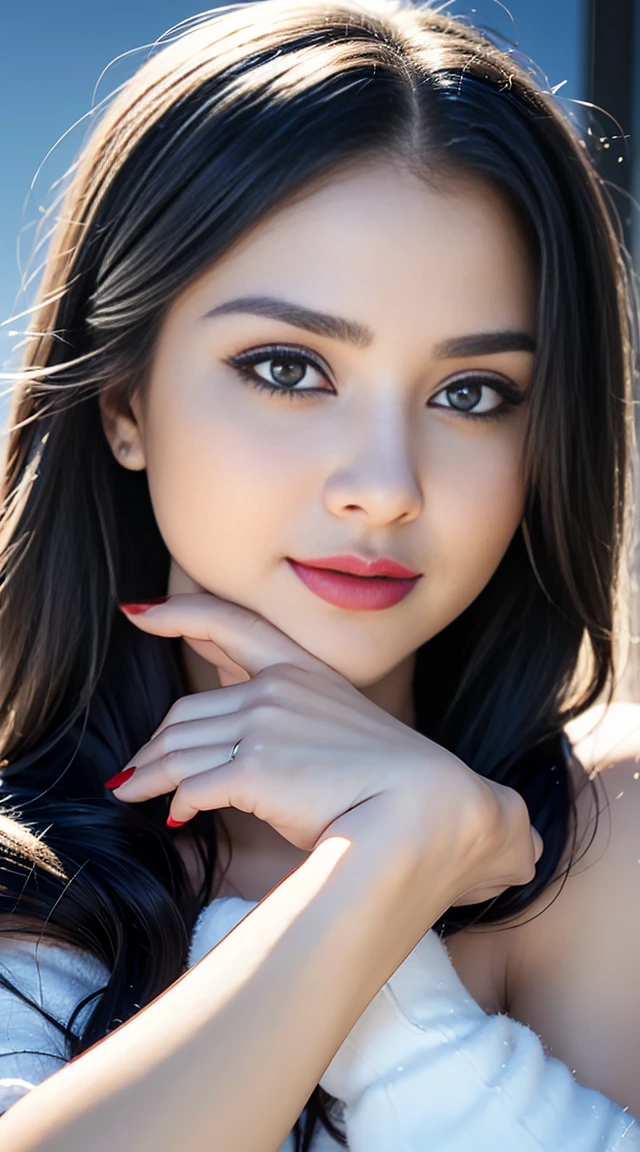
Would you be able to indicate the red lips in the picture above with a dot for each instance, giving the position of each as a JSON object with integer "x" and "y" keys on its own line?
{"x": 357, "y": 585}
{"x": 382, "y": 566}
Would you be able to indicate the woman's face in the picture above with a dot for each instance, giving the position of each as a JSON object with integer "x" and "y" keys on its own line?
{"x": 406, "y": 444}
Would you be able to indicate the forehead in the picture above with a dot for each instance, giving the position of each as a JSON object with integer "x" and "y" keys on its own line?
{"x": 379, "y": 245}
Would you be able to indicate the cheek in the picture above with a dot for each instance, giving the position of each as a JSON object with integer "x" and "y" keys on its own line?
{"x": 221, "y": 494}
{"x": 477, "y": 497}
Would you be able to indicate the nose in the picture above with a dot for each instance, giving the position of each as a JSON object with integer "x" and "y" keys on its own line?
{"x": 378, "y": 479}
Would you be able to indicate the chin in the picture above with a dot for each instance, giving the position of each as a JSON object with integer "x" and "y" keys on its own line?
{"x": 361, "y": 673}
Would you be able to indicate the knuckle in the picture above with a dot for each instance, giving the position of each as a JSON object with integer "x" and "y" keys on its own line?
{"x": 172, "y": 764}
{"x": 167, "y": 741}
{"x": 188, "y": 788}
{"x": 267, "y": 690}
{"x": 179, "y": 710}
{"x": 284, "y": 670}
{"x": 265, "y": 713}
{"x": 163, "y": 743}
{"x": 288, "y": 671}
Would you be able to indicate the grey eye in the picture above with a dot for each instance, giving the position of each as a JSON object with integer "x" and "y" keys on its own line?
{"x": 286, "y": 371}
{"x": 465, "y": 396}
{"x": 473, "y": 394}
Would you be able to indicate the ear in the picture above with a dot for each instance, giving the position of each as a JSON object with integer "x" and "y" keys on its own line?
{"x": 122, "y": 423}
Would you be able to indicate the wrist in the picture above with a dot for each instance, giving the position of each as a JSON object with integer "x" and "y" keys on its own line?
{"x": 400, "y": 857}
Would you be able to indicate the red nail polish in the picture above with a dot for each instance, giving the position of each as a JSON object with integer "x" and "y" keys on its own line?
{"x": 171, "y": 823}
{"x": 138, "y": 606}
{"x": 120, "y": 777}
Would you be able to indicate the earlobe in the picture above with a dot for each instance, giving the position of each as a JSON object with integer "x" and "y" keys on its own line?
{"x": 129, "y": 456}
{"x": 123, "y": 433}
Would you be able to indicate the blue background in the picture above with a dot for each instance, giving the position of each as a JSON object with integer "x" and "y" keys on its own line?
{"x": 53, "y": 52}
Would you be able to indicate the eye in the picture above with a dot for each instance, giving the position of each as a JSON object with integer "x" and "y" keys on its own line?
{"x": 478, "y": 396}
{"x": 287, "y": 371}
{"x": 281, "y": 370}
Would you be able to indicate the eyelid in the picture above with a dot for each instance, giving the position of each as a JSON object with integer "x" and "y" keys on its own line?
{"x": 249, "y": 357}
{"x": 253, "y": 356}
{"x": 503, "y": 385}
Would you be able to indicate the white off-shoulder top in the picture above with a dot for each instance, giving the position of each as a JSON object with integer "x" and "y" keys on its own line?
{"x": 424, "y": 1069}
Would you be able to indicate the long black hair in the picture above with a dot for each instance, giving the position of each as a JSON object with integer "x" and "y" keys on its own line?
{"x": 245, "y": 109}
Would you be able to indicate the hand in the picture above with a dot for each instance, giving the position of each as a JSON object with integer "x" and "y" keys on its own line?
{"x": 312, "y": 748}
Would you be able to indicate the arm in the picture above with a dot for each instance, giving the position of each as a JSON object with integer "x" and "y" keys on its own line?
{"x": 236, "y": 1046}
{"x": 424, "y": 1066}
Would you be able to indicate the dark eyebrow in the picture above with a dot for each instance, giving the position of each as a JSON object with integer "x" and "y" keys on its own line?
{"x": 321, "y": 323}
{"x": 351, "y": 332}
{"x": 484, "y": 344}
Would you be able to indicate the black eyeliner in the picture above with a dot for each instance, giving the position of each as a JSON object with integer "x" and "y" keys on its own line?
{"x": 244, "y": 362}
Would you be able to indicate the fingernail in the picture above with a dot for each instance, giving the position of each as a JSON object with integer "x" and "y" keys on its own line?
{"x": 138, "y": 606}
{"x": 171, "y": 823}
{"x": 120, "y": 777}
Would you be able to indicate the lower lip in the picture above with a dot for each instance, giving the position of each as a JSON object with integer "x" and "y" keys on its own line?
{"x": 360, "y": 594}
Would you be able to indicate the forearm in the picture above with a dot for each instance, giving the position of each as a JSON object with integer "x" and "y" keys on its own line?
{"x": 234, "y": 1048}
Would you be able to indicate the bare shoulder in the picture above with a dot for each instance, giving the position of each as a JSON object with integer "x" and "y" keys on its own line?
{"x": 606, "y": 736}
{"x": 572, "y": 968}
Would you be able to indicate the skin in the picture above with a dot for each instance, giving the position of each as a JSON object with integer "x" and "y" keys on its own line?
{"x": 240, "y": 479}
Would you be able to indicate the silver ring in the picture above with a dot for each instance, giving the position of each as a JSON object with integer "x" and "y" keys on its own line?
{"x": 235, "y": 749}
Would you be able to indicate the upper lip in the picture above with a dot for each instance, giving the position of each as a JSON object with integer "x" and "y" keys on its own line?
{"x": 356, "y": 566}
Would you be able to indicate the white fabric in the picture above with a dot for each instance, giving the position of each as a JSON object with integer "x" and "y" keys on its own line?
{"x": 57, "y": 978}
{"x": 423, "y": 1069}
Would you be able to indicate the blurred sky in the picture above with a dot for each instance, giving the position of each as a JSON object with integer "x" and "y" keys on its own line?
{"x": 52, "y": 53}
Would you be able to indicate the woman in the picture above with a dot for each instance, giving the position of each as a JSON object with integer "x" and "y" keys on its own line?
{"x": 356, "y": 620}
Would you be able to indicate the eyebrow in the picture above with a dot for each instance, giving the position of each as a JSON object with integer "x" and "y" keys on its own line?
{"x": 351, "y": 332}
{"x": 320, "y": 323}
{"x": 485, "y": 344}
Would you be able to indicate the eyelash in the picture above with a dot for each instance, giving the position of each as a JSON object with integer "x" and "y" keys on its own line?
{"x": 243, "y": 365}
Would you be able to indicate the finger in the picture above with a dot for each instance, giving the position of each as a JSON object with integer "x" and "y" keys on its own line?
{"x": 231, "y": 635}
{"x": 179, "y": 738}
{"x": 215, "y": 788}
{"x": 167, "y": 773}
{"x": 203, "y": 705}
